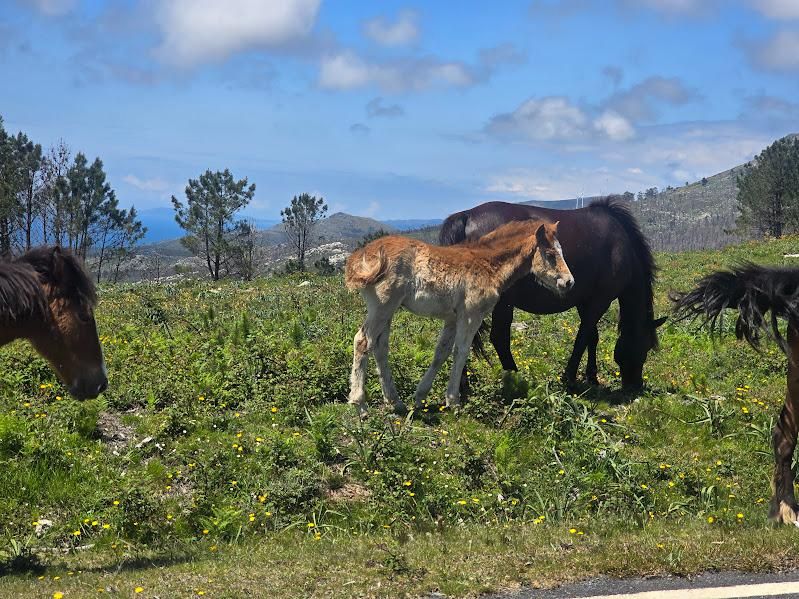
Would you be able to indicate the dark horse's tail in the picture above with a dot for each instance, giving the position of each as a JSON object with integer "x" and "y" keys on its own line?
{"x": 619, "y": 209}
{"x": 453, "y": 230}
{"x": 752, "y": 290}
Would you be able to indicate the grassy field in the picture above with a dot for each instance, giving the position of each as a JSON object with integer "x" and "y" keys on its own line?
{"x": 222, "y": 462}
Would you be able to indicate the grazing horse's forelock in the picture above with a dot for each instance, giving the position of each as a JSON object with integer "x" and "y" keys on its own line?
{"x": 21, "y": 295}
{"x": 63, "y": 272}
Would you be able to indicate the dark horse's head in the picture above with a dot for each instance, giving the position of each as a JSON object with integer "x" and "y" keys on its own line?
{"x": 632, "y": 347}
{"x": 65, "y": 333}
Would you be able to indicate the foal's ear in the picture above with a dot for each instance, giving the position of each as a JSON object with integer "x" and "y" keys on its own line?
{"x": 541, "y": 235}
{"x": 555, "y": 226}
{"x": 659, "y": 322}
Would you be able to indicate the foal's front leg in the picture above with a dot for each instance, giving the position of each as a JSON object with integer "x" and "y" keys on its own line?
{"x": 783, "y": 503}
{"x": 464, "y": 334}
{"x": 444, "y": 347}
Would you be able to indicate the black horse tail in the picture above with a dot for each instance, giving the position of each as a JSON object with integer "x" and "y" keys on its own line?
{"x": 752, "y": 290}
{"x": 619, "y": 209}
{"x": 453, "y": 229}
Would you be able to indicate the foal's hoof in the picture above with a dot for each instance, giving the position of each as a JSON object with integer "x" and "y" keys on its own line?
{"x": 400, "y": 409}
{"x": 360, "y": 409}
{"x": 784, "y": 513}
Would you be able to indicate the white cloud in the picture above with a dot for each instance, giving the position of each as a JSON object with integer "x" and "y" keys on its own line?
{"x": 360, "y": 129}
{"x": 344, "y": 71}
{"x": 376, "y": 108}
{"x": 779, "y": 53}
{"x": 659, "y": 156}
{"x": 347, "y": 70}
{"x": 553, "y": 117}
{"x": 778, "y": 9}
{"x": 639, "y": 102}
{"x": 673, "y": 7}
{"x": 152, "y": 185}
{"x": 560, "y": 183}
{"x": 197, "y": 31}
{"x": 614, "y": 126}
{"x": 399, "y": 33}
{"x": 53, "y": 8}
{"x": 556, "y": 118}
{"x": 372, "y": 209}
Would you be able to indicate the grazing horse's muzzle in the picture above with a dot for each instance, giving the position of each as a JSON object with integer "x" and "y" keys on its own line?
{"x": 89, "y": 388}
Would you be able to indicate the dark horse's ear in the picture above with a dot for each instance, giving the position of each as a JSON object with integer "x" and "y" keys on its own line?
{"x": 56, "y": 264}
{"x": 660, "y": 321}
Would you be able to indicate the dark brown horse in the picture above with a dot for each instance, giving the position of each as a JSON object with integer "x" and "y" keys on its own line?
{"x": 47, "y": 297}
{"x": 609, "y": 257}
{"x": 754, "y": 291}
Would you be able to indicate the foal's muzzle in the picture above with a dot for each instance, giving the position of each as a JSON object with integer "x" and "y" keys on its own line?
{"x": 565, "y": 283}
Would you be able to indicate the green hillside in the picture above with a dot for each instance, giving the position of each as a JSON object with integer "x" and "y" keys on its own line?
{"x": 223, "y": 460}
{"x": 694, "y": 216}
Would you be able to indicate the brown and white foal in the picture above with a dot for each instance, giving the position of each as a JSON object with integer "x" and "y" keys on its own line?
{"x": 458, "y": 284}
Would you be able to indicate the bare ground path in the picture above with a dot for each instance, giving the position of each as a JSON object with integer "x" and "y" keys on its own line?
{"x": 711, "y": 585}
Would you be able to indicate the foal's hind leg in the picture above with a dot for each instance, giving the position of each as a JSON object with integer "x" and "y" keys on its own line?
{"x": 360, "y": 360}
{"x": 783, "y": 503}
{"x": 443, "y": 349}
{"x": 384, "y": 370}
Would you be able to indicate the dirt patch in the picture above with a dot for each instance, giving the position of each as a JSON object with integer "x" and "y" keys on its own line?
{"x": 113, "y": 433}
{"x": 350, "y": 492}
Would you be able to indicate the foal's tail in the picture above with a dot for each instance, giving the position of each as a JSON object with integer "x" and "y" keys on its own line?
{"x": 752, "y": 290}
{"x": 363, "y": 270}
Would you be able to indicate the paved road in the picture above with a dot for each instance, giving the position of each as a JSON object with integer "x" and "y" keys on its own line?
{"x": 717, "y": 585}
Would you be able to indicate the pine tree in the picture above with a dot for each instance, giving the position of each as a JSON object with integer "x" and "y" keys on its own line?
{"x": 299, "y": 220}
{"x": 768, "y": 190}
{"x": 212, "y": 202}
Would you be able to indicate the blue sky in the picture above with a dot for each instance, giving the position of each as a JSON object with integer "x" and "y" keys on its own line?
{"x": 402, "y": 109}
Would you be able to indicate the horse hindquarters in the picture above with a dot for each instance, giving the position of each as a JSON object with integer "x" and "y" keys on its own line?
{"x": 373, "y": 337}
{"x": 783, "y": 503}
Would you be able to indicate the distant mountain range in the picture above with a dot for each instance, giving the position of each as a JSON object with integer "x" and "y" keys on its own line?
{"x": 694, "y": 216}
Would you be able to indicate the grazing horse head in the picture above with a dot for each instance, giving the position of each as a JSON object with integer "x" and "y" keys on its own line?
{"x": 549, "y": 266}
{"x": 633, "y": 346}
{"x": 63, "y": 330}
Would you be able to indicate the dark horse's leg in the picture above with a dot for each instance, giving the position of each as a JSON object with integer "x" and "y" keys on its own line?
{"x": 783, "y": 503}
{"x": 501, "y": 319}
{"x": 587, "y": 337}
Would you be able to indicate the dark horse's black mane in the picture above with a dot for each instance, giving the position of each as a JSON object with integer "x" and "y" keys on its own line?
{"x": 751, "y": 289}
{"x": 21, "y": 292}
{"x": 620, "y": 210}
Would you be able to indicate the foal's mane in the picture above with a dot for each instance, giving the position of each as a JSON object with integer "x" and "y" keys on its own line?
{"x": 23, "y": 281}
{"x": 503, "y": 235}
